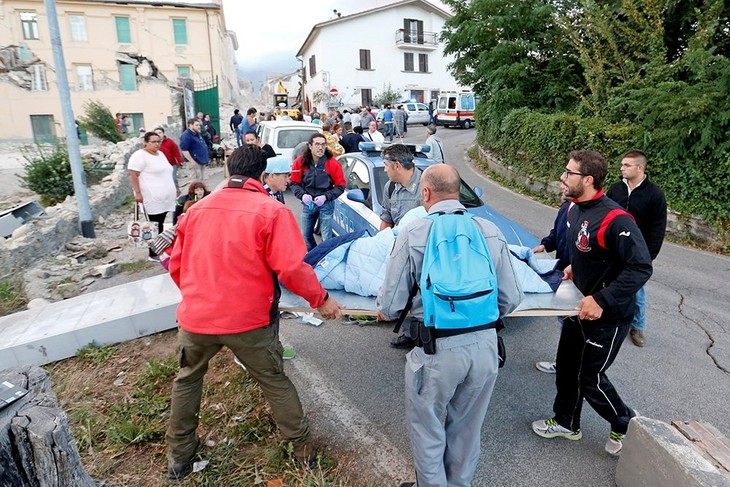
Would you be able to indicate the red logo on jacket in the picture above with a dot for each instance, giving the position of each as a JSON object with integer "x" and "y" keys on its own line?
{"x": 581, "y": 243}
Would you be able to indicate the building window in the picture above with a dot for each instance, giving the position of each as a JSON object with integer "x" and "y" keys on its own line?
{"x": 180, "y": 30}
{"x": 312, "y": 66}
{"x": 434, "y": 95}
{"x": 124, "y": 33}
{"x": 78, "y": 28}
{"x": 184, "y": 72}
{"x": 304, "y": 74}
{"x": 84, "y": 78}
{"x": 423, "y": 63}
{"x": 367, "y": 96}
{"x": 407, "y": 61}
{"x": 29, "y": 22}
{"x": 38, "y": 81}
{"x": 413, "y": 31}
{"x": 365, "y": 59}
{"x": 128, "y": 77}
{"x": 44, "y": 128}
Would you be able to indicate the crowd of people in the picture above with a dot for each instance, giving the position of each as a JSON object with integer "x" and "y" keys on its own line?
{"x": 605, "y": 242}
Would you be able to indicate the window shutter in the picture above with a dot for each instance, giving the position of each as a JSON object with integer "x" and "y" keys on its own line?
{"x": 124, "y": 34}
{"x": 128, "y": 77}
{"x": 180, "y": 30}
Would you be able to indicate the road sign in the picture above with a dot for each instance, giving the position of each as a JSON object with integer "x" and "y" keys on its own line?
{"x": 334, "y": 93}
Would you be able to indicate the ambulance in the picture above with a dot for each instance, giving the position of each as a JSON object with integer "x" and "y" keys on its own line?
{"x": 456, "y": 108}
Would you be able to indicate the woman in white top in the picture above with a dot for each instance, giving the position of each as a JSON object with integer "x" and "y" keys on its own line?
{"x": 152, "y": 182}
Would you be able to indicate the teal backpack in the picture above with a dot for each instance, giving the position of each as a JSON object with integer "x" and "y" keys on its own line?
{"x": 458, "y": 281}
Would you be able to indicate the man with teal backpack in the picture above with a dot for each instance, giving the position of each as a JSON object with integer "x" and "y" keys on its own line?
{"x": 456, "y": 271}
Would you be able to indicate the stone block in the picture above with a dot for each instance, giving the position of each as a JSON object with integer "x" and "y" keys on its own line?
{"x": 657, "y": 455}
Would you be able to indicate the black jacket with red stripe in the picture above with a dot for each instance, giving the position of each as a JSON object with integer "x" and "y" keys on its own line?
{"x": 609, "y": 257}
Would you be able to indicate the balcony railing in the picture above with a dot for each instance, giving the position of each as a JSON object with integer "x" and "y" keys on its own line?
{"x": 416, "y": 40}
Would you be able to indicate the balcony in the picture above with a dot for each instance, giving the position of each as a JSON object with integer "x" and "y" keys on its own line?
{"x": 411, "y": 39}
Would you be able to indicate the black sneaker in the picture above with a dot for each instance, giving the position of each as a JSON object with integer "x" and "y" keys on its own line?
{"x": 176, "y": 473}
{"x": 407, "y": 484}
{"x": 403, "y": 342}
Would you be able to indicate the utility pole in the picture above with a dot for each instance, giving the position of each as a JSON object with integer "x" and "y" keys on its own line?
{"x": 69, "y": 124}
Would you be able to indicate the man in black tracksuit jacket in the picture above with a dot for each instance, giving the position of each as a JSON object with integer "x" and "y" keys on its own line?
{"x": 647, "y": 204}
{"x": 609, "y": 263}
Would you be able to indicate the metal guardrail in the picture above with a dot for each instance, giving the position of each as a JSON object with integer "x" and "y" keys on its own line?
{"x": 415, "y": 39}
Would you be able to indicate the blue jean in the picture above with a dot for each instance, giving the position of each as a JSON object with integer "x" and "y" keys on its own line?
{"x": 239, "y": 137}
{"x": 309, "y": 219}
{"x": 388, "y": 130}
{"x": 639, "y": 310}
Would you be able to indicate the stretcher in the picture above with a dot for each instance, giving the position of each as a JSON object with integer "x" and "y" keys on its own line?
{"x": 560, "y": 303}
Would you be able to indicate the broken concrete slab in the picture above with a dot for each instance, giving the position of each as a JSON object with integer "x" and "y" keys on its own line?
{"x": 657, "y": 455}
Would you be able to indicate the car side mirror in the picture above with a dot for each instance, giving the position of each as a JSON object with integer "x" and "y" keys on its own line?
{"x": 478, "y": 191}
{"x": 356, "y": 195}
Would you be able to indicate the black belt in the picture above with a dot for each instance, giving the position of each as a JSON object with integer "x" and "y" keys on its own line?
{"x": 450, "y": 332}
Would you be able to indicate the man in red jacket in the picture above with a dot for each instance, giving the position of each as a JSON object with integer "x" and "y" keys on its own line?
{"x": 237, "y": 240}
{"x": 172, "y": 153}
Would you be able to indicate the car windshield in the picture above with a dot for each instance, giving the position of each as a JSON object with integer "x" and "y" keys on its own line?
{"x": 467, "y": 196}
{"x": 288, "y": 139}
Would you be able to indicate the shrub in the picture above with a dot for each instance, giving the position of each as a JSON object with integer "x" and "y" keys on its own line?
{"x": 48, "y": 173}
{"x": 99, "y": 121}
{"x": 12, "y": 296}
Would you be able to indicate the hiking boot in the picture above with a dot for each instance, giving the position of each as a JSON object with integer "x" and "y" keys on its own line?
{"x": 403, "y": 342}
{"x": 615, "y": 443}
{"x": 547, "y": 367}
{"x": 549, "y": 428}
{"x": 288, "y": 353}
{"x": 637, "y": 337}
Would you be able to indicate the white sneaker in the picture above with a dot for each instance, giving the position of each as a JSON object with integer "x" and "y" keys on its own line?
{"x": 615, "y": 443}
{"x": 547, "y": 367}
{"x": 238, "y": 362}
{"x": 549, "y": 428}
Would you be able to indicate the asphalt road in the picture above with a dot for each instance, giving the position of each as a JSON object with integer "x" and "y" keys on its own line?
{"x": 351, "y": 381}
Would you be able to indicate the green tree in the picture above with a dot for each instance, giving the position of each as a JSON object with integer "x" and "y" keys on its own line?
{"x": 514, "y": 54}
{"x": 388, "y": 95}
{"x": 99, "y": 121}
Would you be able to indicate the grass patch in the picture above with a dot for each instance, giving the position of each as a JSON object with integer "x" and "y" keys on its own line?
{"x": 136, "y": 266}
{"x": 12, "y": 296}
{"x": 127, "y": 202}
{"x": 93, "y": 354}
{"x": 119, "y": 427}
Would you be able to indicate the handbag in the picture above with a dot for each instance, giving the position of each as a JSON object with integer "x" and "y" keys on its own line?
{"x": 141, "y": 233}
{"x": 163, "y": 241}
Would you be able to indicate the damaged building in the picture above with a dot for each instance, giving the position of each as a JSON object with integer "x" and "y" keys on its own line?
{"x": 132, "y": 56}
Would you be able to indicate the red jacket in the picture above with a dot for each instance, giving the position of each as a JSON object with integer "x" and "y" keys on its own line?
{"x": 226, "y": 249}
{"x": 326, "y": 177}
{"x": 171, "y": 151}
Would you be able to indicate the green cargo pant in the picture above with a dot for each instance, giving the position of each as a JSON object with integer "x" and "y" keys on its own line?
{"x": 260, "y": 351}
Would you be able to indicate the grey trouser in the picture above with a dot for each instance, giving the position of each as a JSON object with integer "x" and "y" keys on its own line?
{"x": 260, "y": 351}
{"x": 456, "y": 381}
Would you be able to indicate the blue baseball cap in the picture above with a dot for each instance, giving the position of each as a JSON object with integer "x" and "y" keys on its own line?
{"x": 278, "y": 165}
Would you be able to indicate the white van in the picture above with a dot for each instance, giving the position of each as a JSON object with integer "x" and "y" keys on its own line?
{"x": 284, "y": 135}
{"x": 456, "y": 108}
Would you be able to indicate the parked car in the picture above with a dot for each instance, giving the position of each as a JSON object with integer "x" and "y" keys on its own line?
{"x": 284, "y": 135}
{"x": 417, "y": 113}
{"x": 359, "y": 207}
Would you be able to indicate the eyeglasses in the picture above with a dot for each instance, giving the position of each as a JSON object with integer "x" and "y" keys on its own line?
{"x": 158, "y": 141}
{"x": 573, "y": 173}
{"x": 315, "y": 144}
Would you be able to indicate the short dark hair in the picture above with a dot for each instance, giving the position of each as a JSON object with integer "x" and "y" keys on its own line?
{"x": 431, "y": 128}
{"x": 248, "y": 161}
{"x": 400, "y": 153}
{"x": 637, "y": 154}
{"x": 358, "y": 129}
{"x": 592, "y": 164}
{"x": 253, "y": 132}
{"x": 251, "y": 111}
{"x": 348, "y": 126}
{"x": 236, "y": 111}
{"x": 192, "y": 121}
{"x": 160, "y": 129}
{"x": 147, "y": 135}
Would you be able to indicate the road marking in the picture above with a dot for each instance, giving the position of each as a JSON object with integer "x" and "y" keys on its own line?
{"x": 373, "y": 447}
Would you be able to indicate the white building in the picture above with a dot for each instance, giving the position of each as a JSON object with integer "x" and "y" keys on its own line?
{"x": 357, "y": 57}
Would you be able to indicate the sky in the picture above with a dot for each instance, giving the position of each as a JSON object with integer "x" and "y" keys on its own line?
{"x": 270, "y": 32}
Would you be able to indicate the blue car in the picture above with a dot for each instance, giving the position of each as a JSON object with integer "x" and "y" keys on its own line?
{"x": 359, "y": 207}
